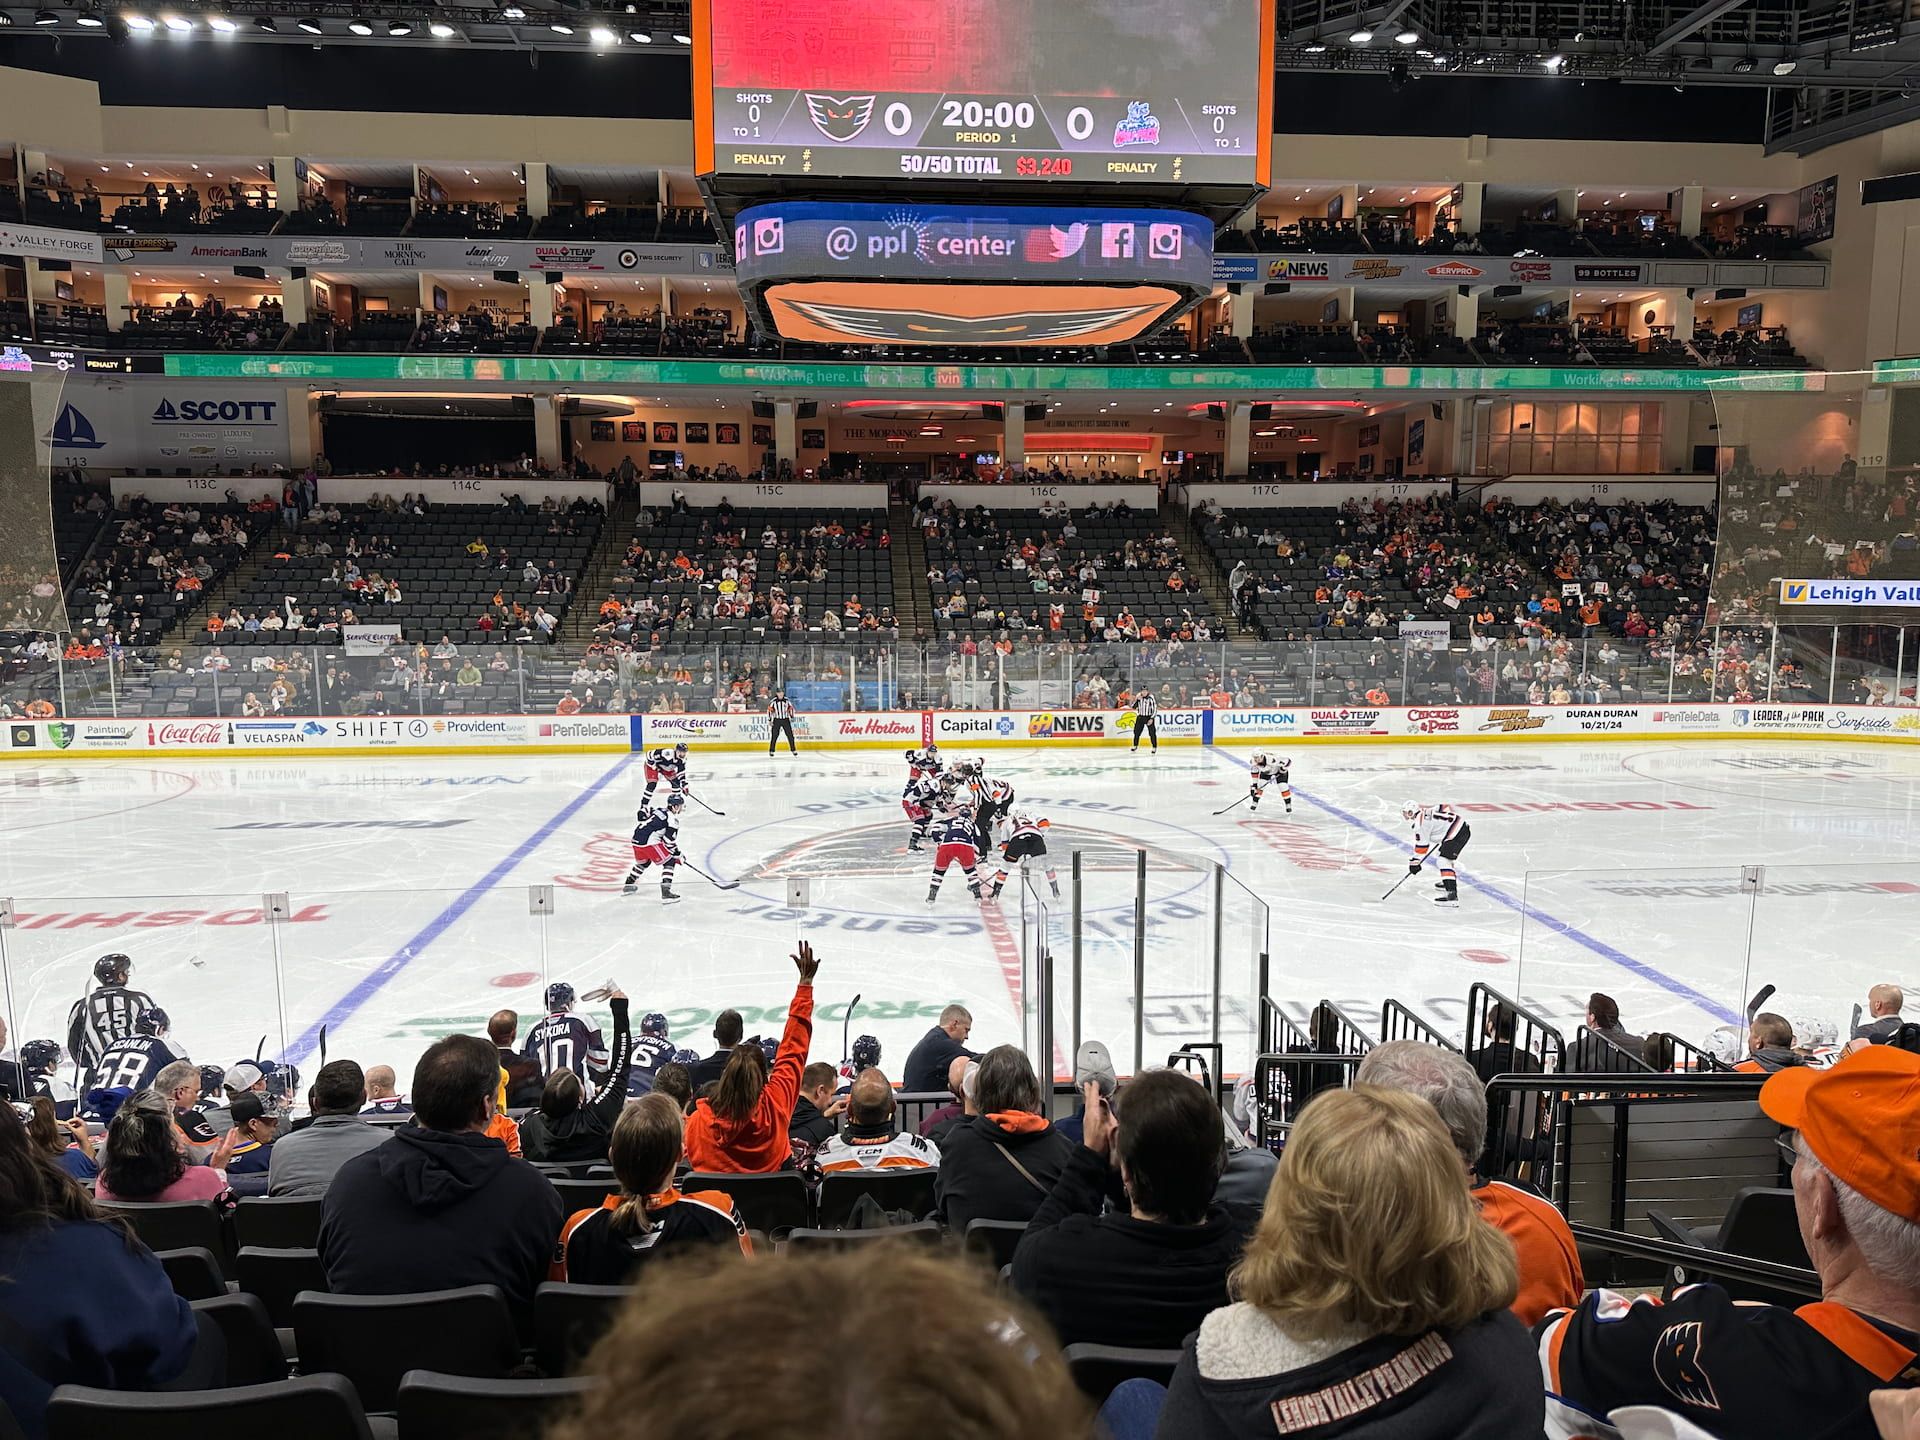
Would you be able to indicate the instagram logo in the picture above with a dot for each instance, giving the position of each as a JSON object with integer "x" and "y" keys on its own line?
{"x": 1163, "y": 242}
{"x": 769, "y": 235}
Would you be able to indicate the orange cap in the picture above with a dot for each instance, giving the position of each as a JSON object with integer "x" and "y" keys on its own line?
{"x": 1861, "y": 1119}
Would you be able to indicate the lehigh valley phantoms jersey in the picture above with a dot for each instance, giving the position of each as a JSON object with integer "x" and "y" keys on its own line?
{"x": 566, "y": 1042}
{"x": 882, "y": 1152}
{"x": 1736, "y": 1370}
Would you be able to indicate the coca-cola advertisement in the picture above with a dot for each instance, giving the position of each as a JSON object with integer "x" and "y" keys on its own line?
{"x": 186, "y": 734}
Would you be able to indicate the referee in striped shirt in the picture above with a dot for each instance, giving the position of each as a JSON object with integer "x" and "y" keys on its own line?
{"x": 1144, "y": 721}
{"x": 780, "y": 711}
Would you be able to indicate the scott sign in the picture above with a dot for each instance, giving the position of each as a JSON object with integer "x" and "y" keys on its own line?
{"x": 244, "y": 412}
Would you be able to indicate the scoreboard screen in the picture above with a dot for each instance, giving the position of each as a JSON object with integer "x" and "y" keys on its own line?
{"x": 1136, "y": 92}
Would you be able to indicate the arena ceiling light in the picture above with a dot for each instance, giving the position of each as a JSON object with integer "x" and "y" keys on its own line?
{"x": 560, "y": 27}
{"x": 267, "y": 25}
{"x": 1316, "y": 48}
{"x": 359, "y": 27}
{"x": 1407, "y": 37}
{"x": 178, "y": 24}
{"x": 441, "y": 30}
{"x": 399, "y": 29}
{"x": 222, "y": 25}
{"x": 512, "y": 14}
{"x": 45, "y": 17}
{"x": 1360, "y": 37}
{"x": 1553, "y": 63}
{"x": 140, "y": 24}
{"x": 92, "y": 19}
{"x": 602, "y": 35}
{"x": 1785, "y": 67}
{"x": 640, "y": 37}
{"x": 682, "y": 39}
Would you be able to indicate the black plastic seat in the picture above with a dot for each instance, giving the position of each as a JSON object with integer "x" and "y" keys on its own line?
{"x": 312, "y": 1407}
{"x": 374, "y": 1340}
{"x": 277, "y": 1276}
{"x": 776, "y": 1202}
{"x": 1097, "y": 1369}
{"x": 569, "y": 1319}
{"x": 175, "y": 1225}
{"x": 278, "y": 1222}
{"x": 193, "y": 1272}
{"x": 434, "y": 1406}
{"x": 893, "y": 1190}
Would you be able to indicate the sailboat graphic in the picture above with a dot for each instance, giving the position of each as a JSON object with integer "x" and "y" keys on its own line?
{"x": 73, "y": 431}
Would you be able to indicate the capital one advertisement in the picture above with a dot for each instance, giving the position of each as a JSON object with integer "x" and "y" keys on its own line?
{"x": 197, "y": 426}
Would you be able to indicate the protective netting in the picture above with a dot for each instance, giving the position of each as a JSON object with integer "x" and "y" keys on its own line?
{"x": 1820, "y": 474}
{"x": 30, "y": 590}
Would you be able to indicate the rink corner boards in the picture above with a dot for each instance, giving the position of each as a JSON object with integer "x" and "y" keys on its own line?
{"x": 180, "y": 737}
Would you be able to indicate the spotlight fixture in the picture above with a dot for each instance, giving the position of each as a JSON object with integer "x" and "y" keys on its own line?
{"x": 140, "y": 24}
{"x": 312, "y": 27}
{"x": 1316, "y": 48}
{"x": 601, "y": 35}
{"x": 680, "y": 38}
{"x": 359, "y": 27}
{"x": 178, "y": 24}
{"x": 640, "y": 37}
{"x": 440, "y": 30}
{"x": 1407, "y": 37}
{"x": 1785, "y": 67}
{"x": 560, "y": 27}
{"x": 512, "y": 13}
{"x": 399, "y": 29}
{"x": 45, "y": 17}
{"x": 1743, "y": 66}
{"x": 89, "y": 18}
{"x": 266, "y": 25}
{"x": 221, "y": 25}
{"x": 1360, "y": 37}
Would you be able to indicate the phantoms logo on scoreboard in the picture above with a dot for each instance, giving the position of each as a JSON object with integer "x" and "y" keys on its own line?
{"x": 1860, "y": 593}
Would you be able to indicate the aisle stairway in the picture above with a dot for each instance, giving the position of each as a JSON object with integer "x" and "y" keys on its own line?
{"x": 596, "y": 580}
{"x": 910, "y": 602}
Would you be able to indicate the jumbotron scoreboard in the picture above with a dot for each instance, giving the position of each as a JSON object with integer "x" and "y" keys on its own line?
{"x": 1005, "y": 92}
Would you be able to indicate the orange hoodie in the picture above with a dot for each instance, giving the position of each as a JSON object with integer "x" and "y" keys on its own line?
{"x": 759, "y": 1144}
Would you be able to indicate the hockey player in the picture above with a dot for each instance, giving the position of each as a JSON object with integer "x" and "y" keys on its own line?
{"x": 651, "y": 1049}
{"x": 922, "y": 794}
{"x": 1441, "y": 828}
{"x": 1027, "y": 842}
{"x": 667, "y": 765}
{"x": 107, "y": 1014}
{"x": 1145, "y": 720}
{"x": 924, "y": 762}
{"x": 134, "y": 1061}
{"x": 37, "y": 1072}
{"x": 563, "y": 1041}
{"x": 656, "y": 841}
{"x": 1271, "y": 770}
{"x": 865, "y": 1056}
{"x": 957, "y": 844}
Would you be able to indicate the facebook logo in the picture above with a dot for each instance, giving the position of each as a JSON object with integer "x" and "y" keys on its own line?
{"x": 1116, "y": 242}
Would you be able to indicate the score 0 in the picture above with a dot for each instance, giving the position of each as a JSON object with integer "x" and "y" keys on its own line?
{"x": 898, "y": 120}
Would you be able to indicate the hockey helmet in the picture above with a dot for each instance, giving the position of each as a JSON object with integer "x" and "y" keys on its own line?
{"x": 913, "y": 756}
{"x": 559, "y": 996}
{"x": 866, "y": 1053}
{"x": 654, "y": 1023}
{"x": 152, "y": 1021}
{"x": 40, "y": 1057}
{"x": 1260, "y": 758}
{"x": 933, "y": 748}
{"x": 113, "y": 969}
{"x": 212, "y": 1078}
{"x": 676, "y": 801}
{"x": 681, "y": 748}
{"x": 686, "y": 1057}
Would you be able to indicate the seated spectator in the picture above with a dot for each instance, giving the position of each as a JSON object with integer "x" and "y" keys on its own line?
{"x": 1373, "y": 1279}
{"x": 1603, "y": 1018}
{"x": 1003, "y": 1163}
{"x": 675, "y": 1081}
{"x": 93, "y": 1301}
{"x": 523, "y": 1070}
{"x": 742, "y": 1129}
{"x": 194, "y": 1112}
{"x": 648, "y": 1217}
{"x": 1738, "y": 1369}
{"x": 1884, "y": 1004}
{"x": 306, "y": 1160}
{"x": 255, "y": 1129}
{"x": 67, "y": 1142}
{"x": 146, "y": 1157}
{"x": 816, "y": 1111}
{"x": 1146, "y": 1277}
{"x": 566, "y": 1126}
{"x": 1769, "y": 1045}
{"x": 940, "y": 1352}
{"x": 1543, "y": 1246}
{"x": 930, "y": 1061}
{"x": 869, "y": 1141}
{"x": 960, "y": 1084}
{"x": 729, "y": 1031}
{"x": 441, "y": 1203}
{"x": 382, "y": 1097}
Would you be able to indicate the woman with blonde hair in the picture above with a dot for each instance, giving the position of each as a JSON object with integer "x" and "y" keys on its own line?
{"x": 647, "y": 1218}
{"x": 1372, "y": 1301}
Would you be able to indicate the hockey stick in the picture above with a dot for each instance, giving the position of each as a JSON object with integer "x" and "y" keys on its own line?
{"x": 704, "y": 806}
{"x": 1236, "y": 804}
{"x": 1403, "y": 880}
{"x": 323, "y": 1047}
{"x": 717, "y": 884}
{"x": 846, "y": 1027}
{"x": 1760, "y": 997}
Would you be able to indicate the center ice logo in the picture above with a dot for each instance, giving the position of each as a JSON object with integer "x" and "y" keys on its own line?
{"x": 1140, "y": 127}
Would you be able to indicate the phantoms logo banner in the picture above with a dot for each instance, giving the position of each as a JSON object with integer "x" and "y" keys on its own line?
{"x": 1852, "y": 594}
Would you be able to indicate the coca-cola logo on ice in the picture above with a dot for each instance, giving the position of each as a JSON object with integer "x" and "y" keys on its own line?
{"x": 607, "y": 860}
{"x": 202, "y": 732}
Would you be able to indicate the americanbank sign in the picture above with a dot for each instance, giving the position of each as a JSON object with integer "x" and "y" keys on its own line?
{"x": 1852, "y": 594}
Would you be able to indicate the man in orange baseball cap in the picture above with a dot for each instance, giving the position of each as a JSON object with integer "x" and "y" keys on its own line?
{"x": 1739, "y": 1370}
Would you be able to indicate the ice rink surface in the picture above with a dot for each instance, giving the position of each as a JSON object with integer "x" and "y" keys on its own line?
{"x": 411, "y": 909}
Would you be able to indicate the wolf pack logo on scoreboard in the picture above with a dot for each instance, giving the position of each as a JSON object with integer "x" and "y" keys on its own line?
{"x": 1046, "y": 725}
{"x": 1345, "y": 722}
{"x": 1507, "y": 721}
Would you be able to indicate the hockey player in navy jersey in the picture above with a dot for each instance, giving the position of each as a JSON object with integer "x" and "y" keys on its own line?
{"x": 563, "y": 1041}
{"x": 656, "y": 841}
{"x": 667, "y": 765}
{"x": 956, "y": 844}
{"x": 918, "y": 801}
{"x": 652, "y": 1048}
{"x": 132, "y": 1062}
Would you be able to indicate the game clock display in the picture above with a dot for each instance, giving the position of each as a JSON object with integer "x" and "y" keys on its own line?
{"x": 1081, "y": 91}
